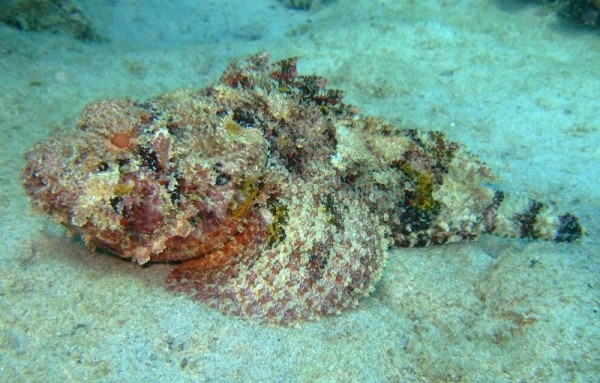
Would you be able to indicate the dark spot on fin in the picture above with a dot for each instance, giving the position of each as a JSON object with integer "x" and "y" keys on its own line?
{"x": 491, "y": 213}
{"x": 569, "y": 229}
{"x": 528, "y": 218}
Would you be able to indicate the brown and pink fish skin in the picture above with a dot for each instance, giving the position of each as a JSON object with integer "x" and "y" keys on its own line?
{"x": 278, "y": 199}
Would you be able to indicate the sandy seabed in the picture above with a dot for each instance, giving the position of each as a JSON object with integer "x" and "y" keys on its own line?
{"x": 513, "y": 83}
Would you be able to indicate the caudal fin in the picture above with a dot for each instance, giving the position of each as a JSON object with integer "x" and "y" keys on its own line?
{"x": 528, "y": 218}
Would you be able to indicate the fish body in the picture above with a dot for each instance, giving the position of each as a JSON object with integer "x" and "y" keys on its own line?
{"x": 277, "y": 198}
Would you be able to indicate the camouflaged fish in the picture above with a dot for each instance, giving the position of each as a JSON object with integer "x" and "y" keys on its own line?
{"x": 277, "y": 200}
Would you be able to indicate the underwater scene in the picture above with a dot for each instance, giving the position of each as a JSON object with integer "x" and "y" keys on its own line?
{"x": 300, "y": 191}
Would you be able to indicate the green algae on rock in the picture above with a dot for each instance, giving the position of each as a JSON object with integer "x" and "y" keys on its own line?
{"x": 583, "y": 12}
{"x": 55, "y": 16}
{"x": 305, "y": 4}
{"x": 279, "y": 199}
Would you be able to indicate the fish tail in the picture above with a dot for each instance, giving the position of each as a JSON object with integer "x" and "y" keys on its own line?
{"x": 522, "y": 217}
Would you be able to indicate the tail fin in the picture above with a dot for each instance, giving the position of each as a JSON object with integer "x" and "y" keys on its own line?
{"x": 526, "y": 218}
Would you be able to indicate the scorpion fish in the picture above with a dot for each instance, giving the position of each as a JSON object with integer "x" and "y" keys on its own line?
{"x": 273, "y": 199}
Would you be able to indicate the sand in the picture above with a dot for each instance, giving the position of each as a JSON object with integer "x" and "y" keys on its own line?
{"x": 514, "y": 83}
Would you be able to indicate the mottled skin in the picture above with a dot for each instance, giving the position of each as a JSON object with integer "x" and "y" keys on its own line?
{"x": 281, "y": 199}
